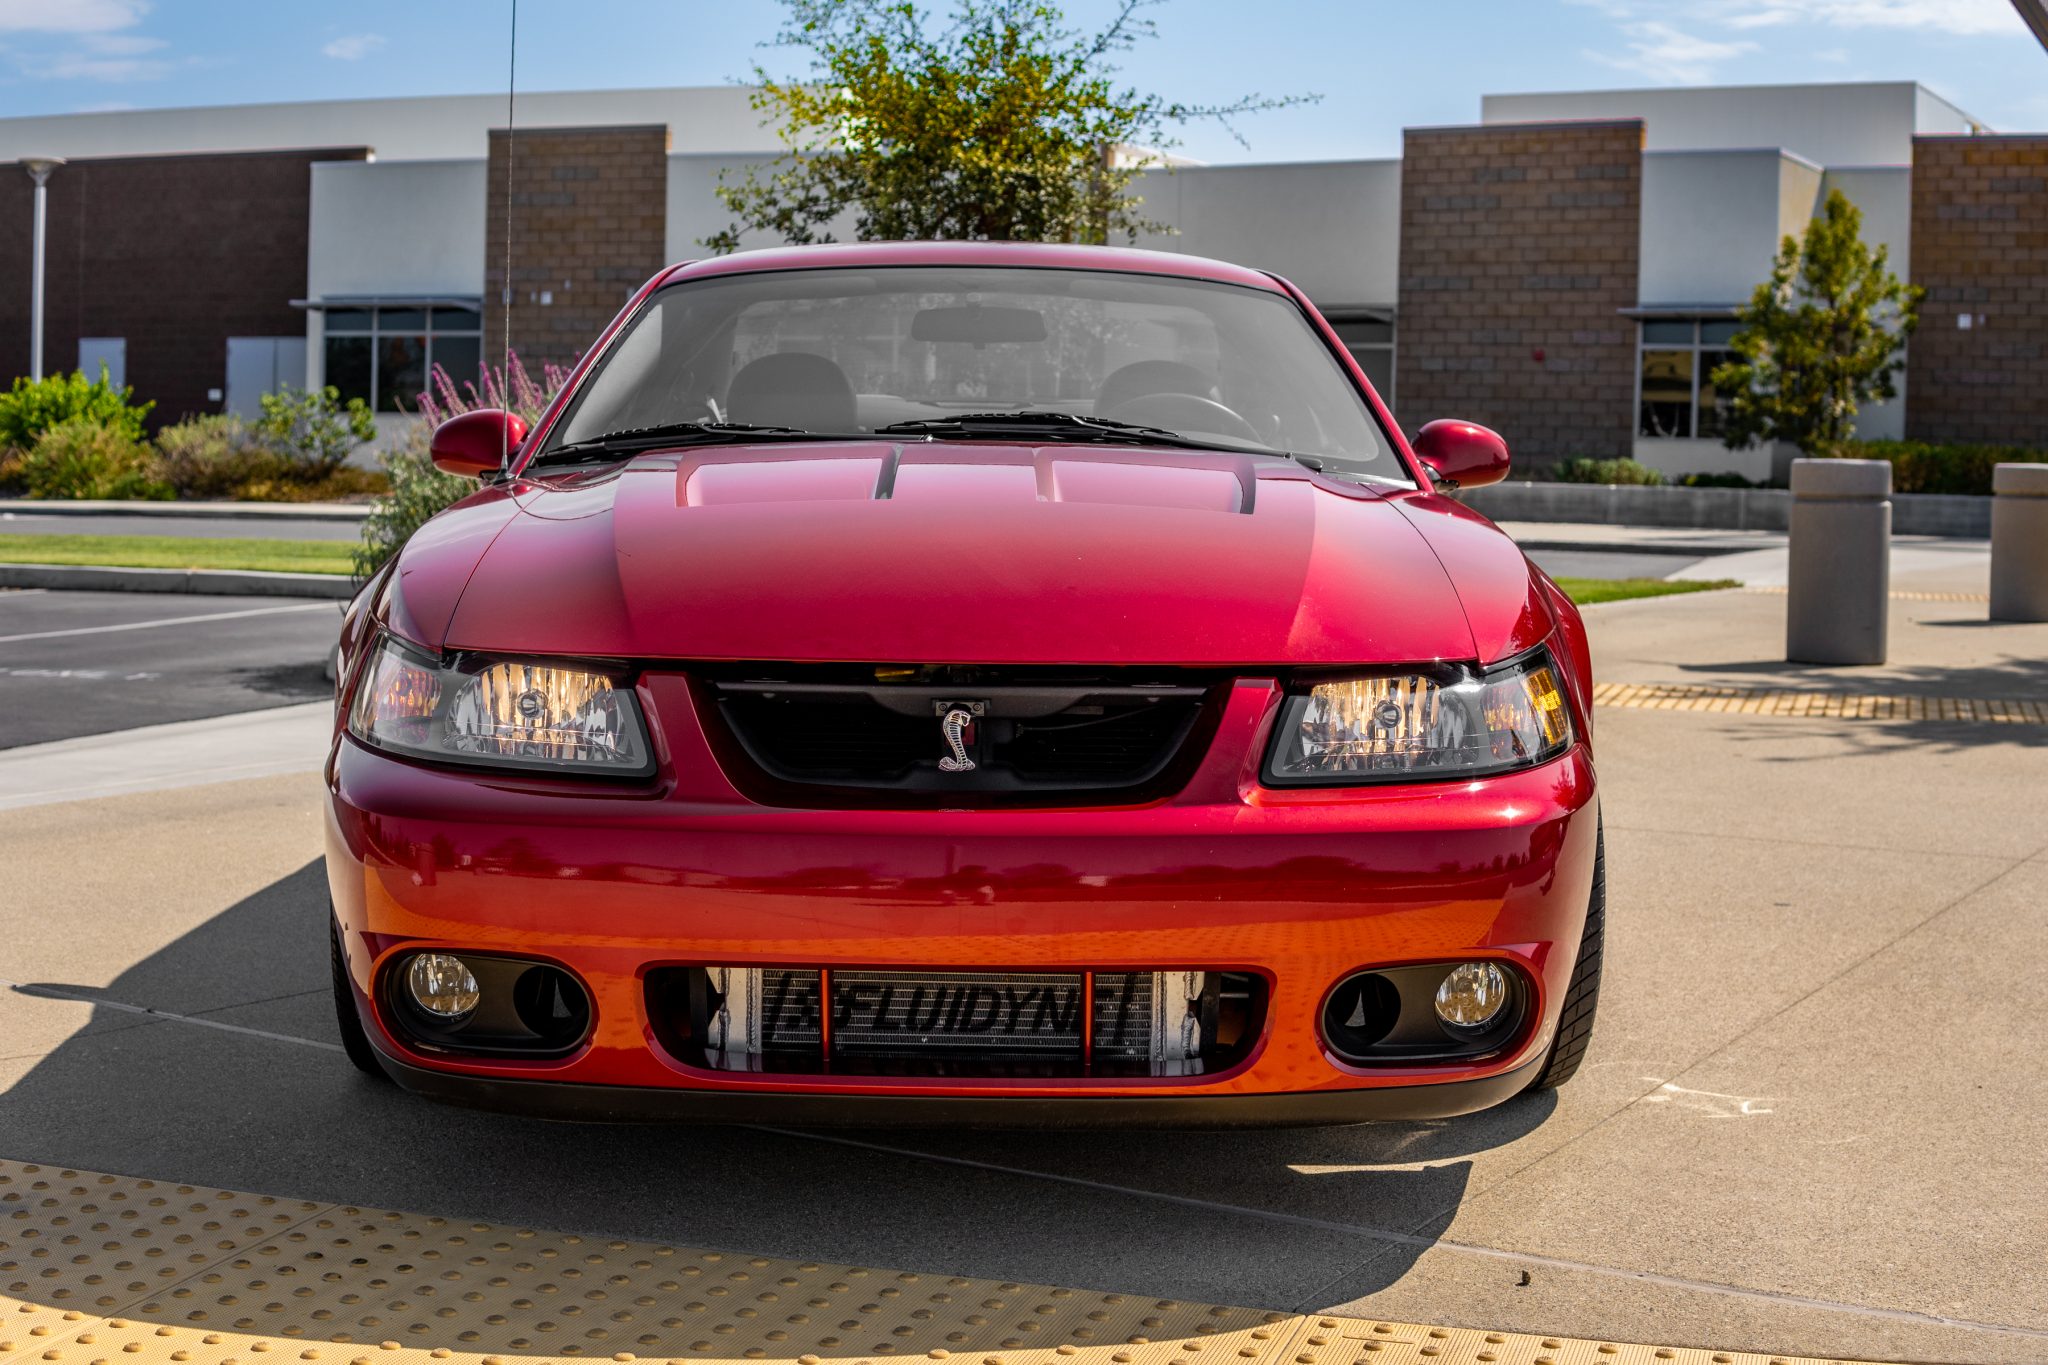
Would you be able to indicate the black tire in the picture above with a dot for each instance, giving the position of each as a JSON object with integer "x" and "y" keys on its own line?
{"x": 1582, "y": 996}
{"x": 355, "y": 1040}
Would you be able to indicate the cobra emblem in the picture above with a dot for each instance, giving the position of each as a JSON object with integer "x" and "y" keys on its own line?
{"x": 957, "y": 726}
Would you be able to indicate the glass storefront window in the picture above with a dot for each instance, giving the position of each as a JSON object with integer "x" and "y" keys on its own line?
{"x": 386, "y": 356}
{"x": 1676, "y": 395}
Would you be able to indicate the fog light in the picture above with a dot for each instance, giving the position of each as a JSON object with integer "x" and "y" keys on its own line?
{"x": 442, "y": 986}
{"x": 1472, "y": 996}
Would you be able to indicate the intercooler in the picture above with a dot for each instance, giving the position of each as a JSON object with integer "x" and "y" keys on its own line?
{"x": 931, "y": 1022}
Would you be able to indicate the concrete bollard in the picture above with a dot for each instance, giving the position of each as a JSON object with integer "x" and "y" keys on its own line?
{"x": 2019, "y": 542}
{"x": 1838, "y": 609}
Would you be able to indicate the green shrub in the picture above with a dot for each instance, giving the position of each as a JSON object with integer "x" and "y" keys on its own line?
{"x": 10, "y": 468}
{"x": 215, "y": 457}
{"x": 32, "y": 407}
{"x": 1716, "y": 481}
{"x": 313, "y": 429}
{"x": 1927, "y": 467}
{"x": 1583, "y": 469}
{"x": 418, "y": 489}
{"x": 82, "y": 457}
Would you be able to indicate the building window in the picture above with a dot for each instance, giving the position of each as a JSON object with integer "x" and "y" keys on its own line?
{"x": 1371, "y": 343}
{"x": 384, "y": 355}
{"x": 1675, "y": 388}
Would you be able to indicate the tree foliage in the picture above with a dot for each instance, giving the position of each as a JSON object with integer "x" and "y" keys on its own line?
{"x": 1824, "y": 335}
{"x": 1006, "y": 124}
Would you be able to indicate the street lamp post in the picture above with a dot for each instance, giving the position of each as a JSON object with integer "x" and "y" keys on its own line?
{"x": 39, "y": 167}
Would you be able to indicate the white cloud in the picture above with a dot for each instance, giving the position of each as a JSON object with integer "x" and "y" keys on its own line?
{"x": 1967, "y": 18}
{"x": 70, "y": 16}
{"x": 93, "y": 44}
{"x": 1658, "y": 49}
{"x": 354, "y": 47}
{"x": 1668, "y": 56}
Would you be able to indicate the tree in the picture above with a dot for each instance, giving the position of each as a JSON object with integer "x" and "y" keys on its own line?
{"x": 1008, "y": 125}
{"x": 1824, "y": 335}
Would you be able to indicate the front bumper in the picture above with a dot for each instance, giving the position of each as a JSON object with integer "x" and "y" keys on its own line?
{"x": 1300, "y": 887}
{"x": 797, "y": 1109}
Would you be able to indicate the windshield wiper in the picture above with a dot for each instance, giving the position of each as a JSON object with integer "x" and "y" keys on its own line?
{"x": 616, "y": 444}
{"x": 1037, "y": 423}
{"x": 1082, "y": 428}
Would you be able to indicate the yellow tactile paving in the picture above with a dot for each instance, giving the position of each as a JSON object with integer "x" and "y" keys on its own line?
{"x": 1828, "y": 705}
{"x": 108, "y": 1270}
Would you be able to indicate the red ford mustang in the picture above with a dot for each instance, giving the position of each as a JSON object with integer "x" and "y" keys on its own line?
{"x": 1016, "y": 684}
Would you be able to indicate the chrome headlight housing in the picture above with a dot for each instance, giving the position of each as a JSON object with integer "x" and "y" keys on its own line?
{"x": 1424, "y": 724}
{"x": 546, "y": 715}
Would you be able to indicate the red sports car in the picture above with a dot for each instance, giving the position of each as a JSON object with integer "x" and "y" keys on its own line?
{"x": 1014, "y": 684}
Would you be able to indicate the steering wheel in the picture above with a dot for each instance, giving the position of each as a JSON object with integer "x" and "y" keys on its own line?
{"x": 1184, "y": 412}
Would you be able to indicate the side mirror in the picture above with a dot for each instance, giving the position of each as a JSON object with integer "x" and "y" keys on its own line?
{"x": 476, "y": 443}
{"x": 1461, "y": 454}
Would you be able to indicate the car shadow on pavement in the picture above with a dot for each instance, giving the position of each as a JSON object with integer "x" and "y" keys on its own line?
{"x": 248, "y": 1090}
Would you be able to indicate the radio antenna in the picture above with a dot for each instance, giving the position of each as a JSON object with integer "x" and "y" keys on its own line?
{"x": 511, "y": 147}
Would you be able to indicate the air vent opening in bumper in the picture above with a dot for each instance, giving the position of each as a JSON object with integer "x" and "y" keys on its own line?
{"x": 919, "y": 1022}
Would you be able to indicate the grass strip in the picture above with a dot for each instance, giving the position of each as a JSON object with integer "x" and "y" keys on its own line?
{"x": 179, "y": 552}
{"x": 1588, "y": 591}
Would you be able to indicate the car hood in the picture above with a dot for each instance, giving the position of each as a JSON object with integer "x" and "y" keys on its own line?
{"x": 948, "y": 553}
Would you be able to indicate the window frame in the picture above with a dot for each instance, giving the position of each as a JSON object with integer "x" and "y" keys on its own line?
{"x": 1696, "y": 348}
{"x": 377, "y": 332}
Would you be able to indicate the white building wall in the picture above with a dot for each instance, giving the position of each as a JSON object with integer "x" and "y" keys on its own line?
{"x": 1851, "y": 124}
{"x": 1332, "y": 227}
{"x": 392, "y": 228}
{"x": 1885, "y": 194}
{"x": 695, "y": 211}
{"x": 413, "y": 227}
{"x": 699, "y": 119}
{"x": 1710, "y": 225}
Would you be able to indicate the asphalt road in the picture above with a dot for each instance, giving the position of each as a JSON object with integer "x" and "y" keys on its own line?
{"x": 1611, "y": 563}
{"x": 83, "y": 663}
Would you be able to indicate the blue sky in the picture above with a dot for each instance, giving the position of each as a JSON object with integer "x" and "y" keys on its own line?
{"x": 1379, "y": 64}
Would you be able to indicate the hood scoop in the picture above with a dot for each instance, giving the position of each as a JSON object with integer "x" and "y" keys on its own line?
{"x": 1197, "y": 482}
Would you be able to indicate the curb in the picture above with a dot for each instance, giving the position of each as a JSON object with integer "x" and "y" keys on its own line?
{"x": 206, "y": 582}
{"x": 231, "y": 511}
{"x": 1623, "y": 547}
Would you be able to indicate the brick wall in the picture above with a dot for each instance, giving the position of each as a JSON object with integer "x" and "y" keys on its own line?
{"x": 589, "y": 222}
{"x": 1519, "y": 246}
{"x": 1980, "y": 247}
{"x": 174, "y": 253}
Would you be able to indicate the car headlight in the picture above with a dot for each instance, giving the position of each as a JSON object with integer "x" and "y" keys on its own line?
{"x": 1422, "y": 724}
{"x": 511, "y": 713}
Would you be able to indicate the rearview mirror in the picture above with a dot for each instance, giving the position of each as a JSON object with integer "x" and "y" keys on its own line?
{"x": 476, "y": 443}
{"x": 1461, "y": 454}
{"x": 978, "y": 324}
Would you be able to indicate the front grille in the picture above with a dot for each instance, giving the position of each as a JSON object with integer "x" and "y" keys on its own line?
{"x": 916, "y": 1022}
{"x": 959, "y": 736}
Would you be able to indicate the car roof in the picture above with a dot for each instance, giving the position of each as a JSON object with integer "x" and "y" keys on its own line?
{"x": 1021, "y": 255}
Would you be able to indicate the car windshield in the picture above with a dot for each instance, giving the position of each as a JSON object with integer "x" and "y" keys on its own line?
{"x": 960, "y": 349}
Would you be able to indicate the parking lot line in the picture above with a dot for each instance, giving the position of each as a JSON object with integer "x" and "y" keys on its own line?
{"x": 167, "y": 621}
{"x": 98, "y": 1267}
